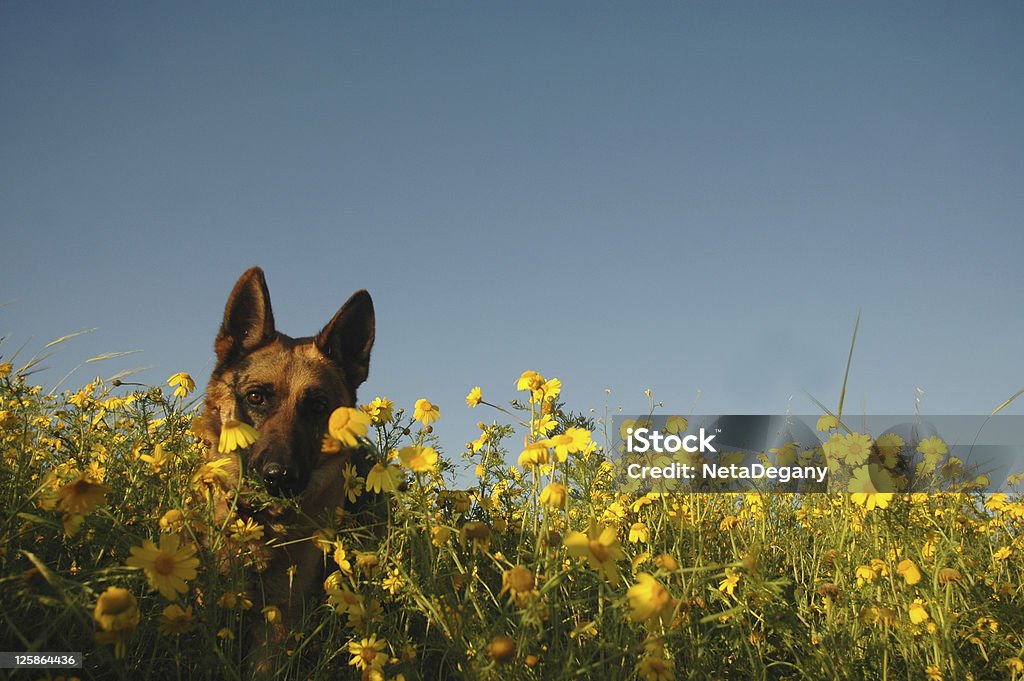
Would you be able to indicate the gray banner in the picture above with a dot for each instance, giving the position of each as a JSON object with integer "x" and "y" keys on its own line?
{"x": 9, "y": 660}
{"x": 773, "y": 453}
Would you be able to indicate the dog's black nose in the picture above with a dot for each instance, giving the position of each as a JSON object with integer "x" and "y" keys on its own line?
{"x": 279, "y": 479}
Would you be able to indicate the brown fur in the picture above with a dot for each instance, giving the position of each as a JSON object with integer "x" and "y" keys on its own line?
{"x": 286, "y": 388}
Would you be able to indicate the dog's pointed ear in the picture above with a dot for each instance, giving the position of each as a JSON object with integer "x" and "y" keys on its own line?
{"x": 348, "y": 338}
{"x": 248, "y": 319}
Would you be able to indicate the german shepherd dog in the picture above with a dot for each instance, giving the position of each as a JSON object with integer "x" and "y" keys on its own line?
{"x": 286, "y": 388}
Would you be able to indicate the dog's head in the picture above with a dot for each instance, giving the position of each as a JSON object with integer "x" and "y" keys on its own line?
{"x": 285, "y": 387}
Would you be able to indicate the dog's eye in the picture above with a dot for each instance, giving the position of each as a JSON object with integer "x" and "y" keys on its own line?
{"x": 316, "y": 407}
{"x": 256, "y": 398}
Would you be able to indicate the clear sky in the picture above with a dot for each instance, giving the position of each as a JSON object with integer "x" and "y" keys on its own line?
{"x": 684, "y": 197}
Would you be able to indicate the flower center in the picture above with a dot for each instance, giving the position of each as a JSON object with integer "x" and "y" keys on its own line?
{"x": 598, "y": 550}
{"x": 163, "y": 564}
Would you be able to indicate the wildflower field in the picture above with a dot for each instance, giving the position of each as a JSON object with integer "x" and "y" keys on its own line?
{"x": 542, "y": 569}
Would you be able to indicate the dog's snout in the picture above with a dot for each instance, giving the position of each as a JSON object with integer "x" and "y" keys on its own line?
{"x": 280, "y": 480}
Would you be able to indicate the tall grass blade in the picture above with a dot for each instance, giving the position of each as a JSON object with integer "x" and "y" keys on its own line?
{"x": 111, "y": 355}
{"x": 1006, "y": 404}
{"x": 76, "y": 334}
{"x": 129, "y": 372}
{"x": 846, "y": 375}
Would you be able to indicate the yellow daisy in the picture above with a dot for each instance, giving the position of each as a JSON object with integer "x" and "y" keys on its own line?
{"x": 184, "y": 384}
{"x": 600, "y": 547}
{"x": 347, "y": 425}
{"x": 367, "y": 653}
{"x": 176, "y": 620}
{"x": 168, "y": 566}
{"x": 116, "y": 609}
{"x": 383, "y": 478}
{"x": 380, "y": 410}
{"x": 426, "y": 412}
{"x": 234, "y": 435}
{"x": 418, "y": 459}
{"x": 648, "y": 599}
{"x": 82, "y": 495}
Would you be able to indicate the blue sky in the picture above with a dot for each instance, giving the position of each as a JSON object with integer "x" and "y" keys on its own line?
{"x": 682, "y": 197}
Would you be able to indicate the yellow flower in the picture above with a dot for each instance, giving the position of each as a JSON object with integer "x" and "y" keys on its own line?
{"x": 8, "y": 419}
{"x": 116, "y": 609}
{"x": 383, "y": 478}
{"x": 352, "y": 483}
{"x": 439, "y": 536}
{"x": 786, "y": 454}
{"x": 889, "y": 447}
{"x": 234, "y": 435}
{"x": 176, "y": 621}
{"x": 477, "y": 534}
{"x": 340, "y": 557}
{"x": 393, "y": 582}
{"x": 917, "y": 612}
{"x": 655, "y": 668}
{"x": 729, "y": 584}
{"x": 543, "y": 424}
{"x": 520, "y": 584}
{"x": 676, "y": 425}
{"x": 345, "y": 601}
{"x": 878, "y": 615}
{"x": 246, "y": 530}
{"x": 501, "y": 649}
{"x": 272, "y": 613}
{"x": 172, "y": 521}
{"x": 1003, "y": 553}
{"x": 215, "y": 472}
{"x": 857, "y": 448}
{"x": 380, "y": 410}
{"x": 534, "y": 454}
{"x": 158, "y": 459}
{"x": 948, "y": 575}
{"x": 638, "y": 532}
{"x": 648, "y": 599}
{"x": 553, "y": 496}
{"x": 827, "y": 422}
{"x": 529, "y": 380}
{"x": 230, "y": 600}
{"x": 366, "y": 653}
{"x": 5, "y": 369}
{"x": 418, "y": 459}
{"x": 600, "y": 547}
{"x": 474, "y": 397}
{"x": 908, "y": 570}
{"x": 426, "y": 412}
{"x": 573, "y": 440}
{"x": 347, "y": 425}
{"x": 367, "y": 562}
{"x": 184, "y": 384}
{"x": 933, "y": 448}
{"x": 549, "y": 390}
{"x": 168, "y": 567}
{"x": 82, "y": 495}
{"x": 871, "y": 487}
{"x": 328, "y": 445}
{"x": 865, "y": 575}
